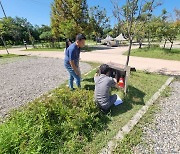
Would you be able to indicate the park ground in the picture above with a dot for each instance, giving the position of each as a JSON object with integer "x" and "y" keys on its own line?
{"x": 105, "y": 55}
{"x": 27, "y": 77}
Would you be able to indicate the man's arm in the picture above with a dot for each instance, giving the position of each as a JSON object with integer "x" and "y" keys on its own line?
{"x": 97, "y": 73}
{"x": 116, "y": 84}
{"x": 74, "y": 67}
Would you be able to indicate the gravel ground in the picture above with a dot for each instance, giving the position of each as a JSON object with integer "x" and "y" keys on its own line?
{"x": 26, "y": 78}
{"x": 163, "y": 135}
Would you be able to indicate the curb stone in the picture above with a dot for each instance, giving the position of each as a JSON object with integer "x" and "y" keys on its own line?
{"x": 133, "y": 121}
{"x": 90, "y": 71}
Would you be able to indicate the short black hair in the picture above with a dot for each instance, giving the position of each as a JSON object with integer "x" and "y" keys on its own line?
{"x": 104, "y": 69}
{"x": 80, "y": 37}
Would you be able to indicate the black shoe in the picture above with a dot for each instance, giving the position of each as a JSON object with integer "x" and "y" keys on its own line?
{"x": 72, "y": 89}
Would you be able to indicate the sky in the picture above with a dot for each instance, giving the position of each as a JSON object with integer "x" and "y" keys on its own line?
{"x": 38, "y": 11}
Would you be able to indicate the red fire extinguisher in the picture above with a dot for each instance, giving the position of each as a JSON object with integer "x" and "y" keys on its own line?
{"x": 121, "y": 82}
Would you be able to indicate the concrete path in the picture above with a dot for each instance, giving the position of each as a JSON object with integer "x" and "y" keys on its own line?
{"x": 114, "y": 55}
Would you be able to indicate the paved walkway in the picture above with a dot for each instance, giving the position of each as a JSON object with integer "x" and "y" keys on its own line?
{"x": 114, "y": 55}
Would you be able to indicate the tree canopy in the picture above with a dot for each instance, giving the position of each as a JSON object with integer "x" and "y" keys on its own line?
{"x": 69, "y": 17}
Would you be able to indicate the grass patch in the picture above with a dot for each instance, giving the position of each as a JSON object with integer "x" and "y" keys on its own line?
{"x": 140, "y": 90}
{"x": 3, "y": 48}
{"x": 59, "y": 46}
{"x": 45, "y": 49}
{"x": 158, "y": 53}
{"x": 86, "y": 48}
{"x": 69, "y": 122}
{"x": 91, "y": 42}
{"x": 2, "y": 56}
{"x": 131, "y": 140}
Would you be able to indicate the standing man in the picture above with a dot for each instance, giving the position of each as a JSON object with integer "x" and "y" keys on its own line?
{"x": 71, "y": 61}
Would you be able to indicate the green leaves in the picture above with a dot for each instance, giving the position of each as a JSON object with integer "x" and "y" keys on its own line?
{"x": 69, "y": 18}
{"x": 62, "y": 123}
{"x": 46, "y": 36}
{"x": 98, "y": 20}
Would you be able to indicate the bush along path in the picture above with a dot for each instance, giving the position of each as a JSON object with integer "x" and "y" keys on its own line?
{"x": 69, "y": 122}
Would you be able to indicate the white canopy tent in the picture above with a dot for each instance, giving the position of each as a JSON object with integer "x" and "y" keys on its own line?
{"x": 107, "y": 39}
{"x": 120, "y": 38}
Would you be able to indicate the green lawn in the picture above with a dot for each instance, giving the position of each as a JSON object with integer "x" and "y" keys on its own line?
{"x": 68, "y": 122}
{"x": 2, "y": 56}
{"x": 135, "y": 136}
{"x": 178, "y": 37}
{"x": 158, "y": 53}
{"x": 45, "y": 49}
{"x": 90, "y": 45}
{"x": 140, "y": 91}
{"x": 86, "y": 48}
{"x": 91, "y": 42}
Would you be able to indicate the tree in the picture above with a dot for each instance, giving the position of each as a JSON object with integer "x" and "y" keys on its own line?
{"x": 15, "y": 30}
{"x": 171, "y": 31}
{"x": 177, "y": 12}
{"x": 4, "y": 43}
{"x": 140, "y": 35}
{"x": 131, "y": 14}
{"x": 47, "y": 36}
{"x": 39, "y": 30}
{"x": 68, "y": 18}
{"x": 165, "y": 29}
{"x": 98, "y": 21}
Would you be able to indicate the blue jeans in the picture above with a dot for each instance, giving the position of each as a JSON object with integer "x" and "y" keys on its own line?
{"x": 73, "y": 76}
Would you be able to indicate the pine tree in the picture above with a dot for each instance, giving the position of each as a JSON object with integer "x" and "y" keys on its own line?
{"x": 69, "y": 17}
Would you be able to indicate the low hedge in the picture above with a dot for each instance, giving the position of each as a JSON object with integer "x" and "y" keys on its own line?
{"x": 61, "y": 123}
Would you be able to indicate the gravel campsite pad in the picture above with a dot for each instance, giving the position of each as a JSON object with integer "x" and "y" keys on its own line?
{"x": 163, "y": 135}
{"x": 24, "y": 79}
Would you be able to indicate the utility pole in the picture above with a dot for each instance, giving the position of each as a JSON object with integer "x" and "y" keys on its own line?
{"x": 1, "y": 35}
{"x": 3, "y": 9}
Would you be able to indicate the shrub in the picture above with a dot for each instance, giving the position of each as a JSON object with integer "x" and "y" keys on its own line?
{"x": 62, "y": 123}
{"x": 155, "y": 46}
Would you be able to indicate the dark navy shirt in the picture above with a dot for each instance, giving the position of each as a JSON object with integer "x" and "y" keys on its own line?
{"x": 72, "y": 53}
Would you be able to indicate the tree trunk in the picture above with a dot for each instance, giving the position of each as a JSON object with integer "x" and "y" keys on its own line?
{"x": 129, "y": 51}
{"x": 4, "y": 45}
{"x": 171, "y": 45}
{"x": 140, "y": 44}
{"x": 165, "y": 43}
{"x": 149, "y": 43}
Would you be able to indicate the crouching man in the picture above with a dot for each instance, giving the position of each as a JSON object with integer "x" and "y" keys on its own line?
{"x": 103, "y": 85}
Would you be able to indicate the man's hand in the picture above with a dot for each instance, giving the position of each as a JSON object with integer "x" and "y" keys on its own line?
{"x": 115, "y": 80}
{"x": 74, "y": 67}
{"x": 96, "y": 74}
{"x": 117, "y": 86}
